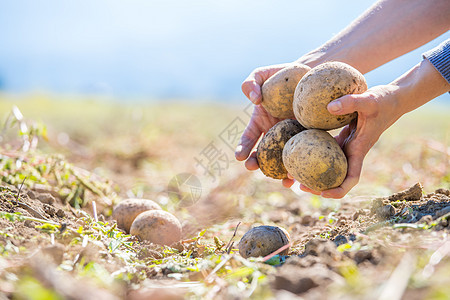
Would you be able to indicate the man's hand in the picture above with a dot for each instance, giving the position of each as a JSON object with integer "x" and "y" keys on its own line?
{"x": 261, "y": 121}
{"x": 377, "y": 110}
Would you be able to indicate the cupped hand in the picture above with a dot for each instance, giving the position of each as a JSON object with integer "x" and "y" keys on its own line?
{"x": 377, "y": 110}
{"x": 261, "y": 121}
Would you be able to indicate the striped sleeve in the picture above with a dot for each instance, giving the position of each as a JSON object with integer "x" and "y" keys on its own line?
{"x": 440, "y": 58}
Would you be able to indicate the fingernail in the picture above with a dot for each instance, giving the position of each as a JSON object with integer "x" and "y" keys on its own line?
{"x": 238, "y": 149}
{"x": 253, "y": 96}
{"x": 335, "y": 106}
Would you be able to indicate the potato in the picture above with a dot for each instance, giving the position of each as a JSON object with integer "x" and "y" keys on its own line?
{"x": 314, "y": 158}
{"x": 127, "y": 210}
{"x": 320, "y": 86}
{"x": 157, "y": 226}
{"x": 278, "y": 91}
{"x": 263, "y": 240}
{"x": 270, "y": 149}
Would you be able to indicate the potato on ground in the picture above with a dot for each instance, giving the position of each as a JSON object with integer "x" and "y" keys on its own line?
{"x": 270, "y": 149}
{"x": 127, "y": 210}
{"x": 320, "y": 86}
{"x": 263, "y": 240}
{"x": 278, "y": 90}
{"x": 314, "y": 158}
{"x": 157, "y": 226}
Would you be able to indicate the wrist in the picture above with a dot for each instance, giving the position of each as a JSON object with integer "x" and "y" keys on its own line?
{"x": 326, "y": 54}
{"x": 311, "y": 59}
{"x": 418, "y": 86}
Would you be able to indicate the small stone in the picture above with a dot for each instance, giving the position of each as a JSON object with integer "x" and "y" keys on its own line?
{"x": 443, "y": 222}
{"x": 29, "y": 223}
{"x": 307, "y": 220}
{"x": 340, "y": 240}
{"x": 443, "y": 212}
{"x": 443, "y": 191}
{"x": 318, "y": 247}
{"x": 385, "y": 212}
{"x": 300, "y": 280}
{"x": 50, "y": 210}
{"x": 362, "y": 255}
{"x": 31, "y": 194}
{"x": 149, "y": 253}
{"x": 427, "y": 219}
{"x": 46, "y": 198}
{"x": 60, "y": 213}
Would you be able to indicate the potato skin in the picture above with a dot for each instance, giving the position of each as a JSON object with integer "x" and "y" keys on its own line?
{"x": 263, "y": 240}
{"x": 320, "y": 86}
{"x": 127, "y": 210}
{"x": 314, "y": 158}
{"x": 278, "y": 90}
{"x": 157, "y": 226}
{"x": 270, "y": 149}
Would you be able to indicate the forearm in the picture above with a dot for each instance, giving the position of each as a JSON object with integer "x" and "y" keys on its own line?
{"x": 388, "y": 29}
{"x": 418, "y": 86}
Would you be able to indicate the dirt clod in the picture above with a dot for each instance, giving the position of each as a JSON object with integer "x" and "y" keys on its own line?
{"x": 413, "y": 193}
{"x": 46, "y": 198}
{"x": 385, "y": 212}
{"x": 443, "y": 211}
{"x": 319, "y": 247}
{"x": 340, "y": 240}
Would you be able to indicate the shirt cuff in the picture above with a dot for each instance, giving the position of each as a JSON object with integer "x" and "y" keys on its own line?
{"x": 440, "y": 58}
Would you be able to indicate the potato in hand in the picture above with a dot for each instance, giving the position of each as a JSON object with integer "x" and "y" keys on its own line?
{"x": 314, "y": 158}
{"x": 320, "y": 86}
{"x": 270, "y": 149}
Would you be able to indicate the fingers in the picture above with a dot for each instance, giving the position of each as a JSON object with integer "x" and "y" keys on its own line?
{"x": 308, "y": 190}
{"x": 251, "y": 86}
{"x": 248, "y": 140}
{"x": 343, "y": 135}
{"x": 287, "y": 182}
{"x": 252, "y": 162}
{"x": 348, "y": 104}
{"x": 252, "y": 89}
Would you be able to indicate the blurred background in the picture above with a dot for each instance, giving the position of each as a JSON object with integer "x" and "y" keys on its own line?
{"x": 158, "y": 50}
{"x": 140, "y": 91}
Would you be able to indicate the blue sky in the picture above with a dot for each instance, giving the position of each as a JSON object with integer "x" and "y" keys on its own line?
{"x": 166, "y": 49}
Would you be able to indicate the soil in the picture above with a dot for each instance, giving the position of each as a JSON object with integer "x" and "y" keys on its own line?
{"x": 314, "y": 266}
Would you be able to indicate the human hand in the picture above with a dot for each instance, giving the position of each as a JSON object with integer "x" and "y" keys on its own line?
{"x": 377, "y": 110}
{"x": 261, "y": 121}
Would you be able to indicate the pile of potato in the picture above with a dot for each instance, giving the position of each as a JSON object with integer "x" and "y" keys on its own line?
{"x": 303, "y": 147}
{"x": 146, "y": 220}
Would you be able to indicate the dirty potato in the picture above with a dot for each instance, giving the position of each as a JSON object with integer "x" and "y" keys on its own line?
{"x": 127, "y": 210}
{"x": 270, "y": 150}
{"x": 278, "y": 91}
{"x": 263, "y": 240}
{"x": 157, "y": 226}
{"x": 320, "y": 86}
{"x": 314, "y": 158}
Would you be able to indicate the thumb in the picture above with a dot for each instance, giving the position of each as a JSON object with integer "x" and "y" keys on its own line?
{"x": 346, "y": 104}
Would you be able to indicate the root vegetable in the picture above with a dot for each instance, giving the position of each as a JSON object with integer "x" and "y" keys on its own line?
{"x": 278, "y": 90}
{"x": 270, "y": 148}
{"x": 320, "y": 86}
{"x": 157, "y": 226}
{"x": 263, "y": 240}
{"x": 127, "y": 210}
{"x": 314, "y": 158}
